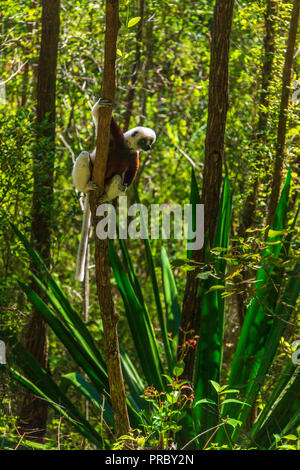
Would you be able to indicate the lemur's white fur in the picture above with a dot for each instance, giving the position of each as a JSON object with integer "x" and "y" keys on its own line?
{"x": 136, "y": 134}
{"x": 81, "y": 173}
{"x": 83, "y": 243}
{"x": 81, "y": 176}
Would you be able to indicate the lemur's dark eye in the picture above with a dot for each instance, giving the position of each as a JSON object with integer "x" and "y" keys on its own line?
{"x": 135, "y": 133}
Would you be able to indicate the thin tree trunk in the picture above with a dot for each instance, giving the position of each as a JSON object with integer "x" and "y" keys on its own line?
{"x": 26, "y": 69}
{"x": 214, "y": 155}
{"x": 136, "y": 67}
{"x": 103, "y": 273}
{"x": 283, "y": 112}
{"x": 147, "y": 66}
{"x": 86, "y": 287}
{"x": 217, "y": 113}
{"x": 86, "y": 306}
{"x": 33, "y": 415}
{"x": 249, "y": 208}
{"x": 25, "y": 84}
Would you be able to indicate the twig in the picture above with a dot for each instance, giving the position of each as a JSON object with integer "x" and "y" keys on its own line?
{"x": 201, "y": 434}
{"x": 68, "y": 147}
{"x": 14, "y": 74}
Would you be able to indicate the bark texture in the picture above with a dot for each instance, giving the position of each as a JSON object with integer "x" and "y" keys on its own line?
{"x": 248, "y": 212}
{"x": 217, "y": 113}
{"x": 33, "y": 413}
{"x": 214, "y": 156}
{"x": 147, "y": 66}
{"x": 249, "y": 208}
{"x": 283, "y": 112}
{"x": 136, "y": 67}
{"x": 103, "y": 273}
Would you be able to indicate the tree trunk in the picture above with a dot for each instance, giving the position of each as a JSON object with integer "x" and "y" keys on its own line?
{"x": 103, "y": 273}
{"x": 147, "y": 66}
{"x": 136, "y": 67}
{"x": 283, "y": 112}
{"x": 217, "y": 113}
{"x": 214, "y": 155}
{"x": 247, "y": 216}
{"x": 33, "y": 415}
{"x": 249, "y": 208}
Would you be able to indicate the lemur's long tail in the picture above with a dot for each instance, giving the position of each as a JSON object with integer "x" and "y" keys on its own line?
{"x": 82, "y": 248}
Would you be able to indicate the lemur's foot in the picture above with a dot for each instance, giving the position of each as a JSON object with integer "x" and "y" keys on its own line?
{"x": 122, "y": 187}
{"x": 102, "y": 199}
{"x": 91, "y": 186}
{"x": 103, "y": 103}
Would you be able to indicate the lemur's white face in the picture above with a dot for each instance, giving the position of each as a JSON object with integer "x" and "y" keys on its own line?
{"x": 140, "y": 138}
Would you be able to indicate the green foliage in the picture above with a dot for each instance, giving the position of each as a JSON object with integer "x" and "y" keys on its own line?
{"x": 171, "y": 95}
{"x": 210, "y": 347}
{"x": 171, "y": 401}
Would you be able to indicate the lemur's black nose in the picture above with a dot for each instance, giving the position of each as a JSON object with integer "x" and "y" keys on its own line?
{"x": 146, "y": 147}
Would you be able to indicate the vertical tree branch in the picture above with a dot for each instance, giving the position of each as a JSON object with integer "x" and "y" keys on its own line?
{"x": 108, "y": 314}
{"x": 283, "y": 112}
{"x": 249, "y": 208}
{"x": 217, "y": 113}
{"x": 85, "y": 308}
{"x": 33, "y": 414}
{"x": 86, "y": 287}
{"x": 248, "y": 211}
{"x": 147, "y": 66}
{"x": 214, "y": 154}
{"x": 136, "y": 67}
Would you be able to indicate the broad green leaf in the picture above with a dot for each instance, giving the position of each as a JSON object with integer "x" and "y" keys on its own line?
{"x": 171, "y": 296}
{"x": 133, "y": 21}
{"x": 139, "y": 323}
{"x": 75, "y": 379}
{"x": 204, "y": 400}
{"x": 209, "y": 350}
{"x": 215, "y": 385}
{"x": 161, "y": 315}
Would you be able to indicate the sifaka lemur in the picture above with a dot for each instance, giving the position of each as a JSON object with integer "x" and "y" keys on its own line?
{"x": 122, "y": 167}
